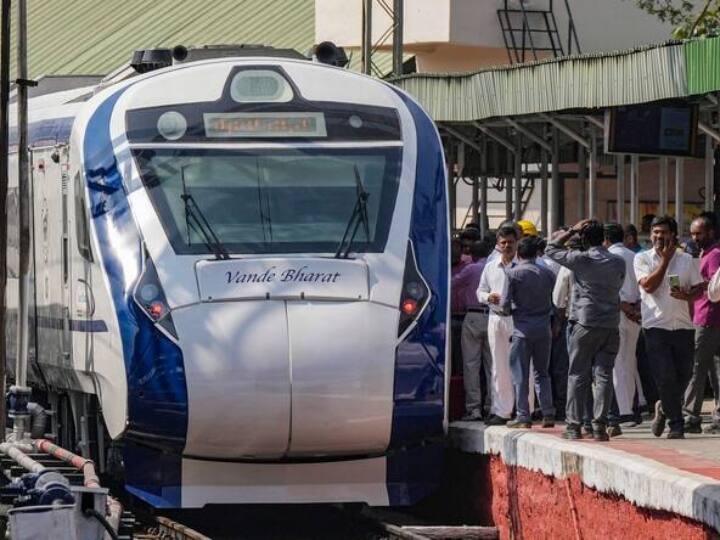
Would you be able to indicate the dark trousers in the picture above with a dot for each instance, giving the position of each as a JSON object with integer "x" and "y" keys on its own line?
{"x": 671, "y": 352}
{"x": 592, "y": 351}
{"x": 522, "y": 350}
{"x": 705, "y": 362}
{"x": 456, "y": 324}
{"x": 559, "y": 370}
{"x": 645, "y": 370}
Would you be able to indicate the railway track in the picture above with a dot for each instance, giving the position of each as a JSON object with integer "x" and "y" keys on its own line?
{"x": 368, "y": 525}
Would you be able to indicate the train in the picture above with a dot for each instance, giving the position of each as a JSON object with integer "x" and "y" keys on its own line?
{"x": 239, "y": 282}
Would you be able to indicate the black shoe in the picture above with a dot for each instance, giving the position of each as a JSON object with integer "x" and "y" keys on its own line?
{"x": 519, "y": 424}
{"x": 712, "y": 429}
{"x": 614, "y": 431}
{"x": 675, "y": 435}
{"x": 548, "y": 422}
{"x": 601, "y": 434}
{"x": 473, "y": 416}
{"x": 692, "y": 427}
{"x": 496, "y": 420}
{"x": 572, "y": 433}
{"x": 588, "y": 429}
{"x": 658, "y": 423}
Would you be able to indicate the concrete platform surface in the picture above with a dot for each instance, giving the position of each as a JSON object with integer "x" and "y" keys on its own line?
{"x": 679, "y": 476}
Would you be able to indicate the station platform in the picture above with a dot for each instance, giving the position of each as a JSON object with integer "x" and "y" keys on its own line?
{"x": 535, "y": 484}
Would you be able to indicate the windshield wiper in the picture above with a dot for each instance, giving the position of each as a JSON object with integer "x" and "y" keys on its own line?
{"x": 195, "y": 220}
{"x": 358, "y": 217}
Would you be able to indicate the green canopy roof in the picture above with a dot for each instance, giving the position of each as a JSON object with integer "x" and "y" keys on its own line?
{"x": 671, "y": 70}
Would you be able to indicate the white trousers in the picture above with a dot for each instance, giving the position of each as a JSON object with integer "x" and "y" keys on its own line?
{"x": 625, "y": 373}
{"x": 500, "y": 331}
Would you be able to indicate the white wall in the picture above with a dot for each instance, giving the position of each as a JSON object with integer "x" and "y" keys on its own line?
{"x": 454, "y": 35}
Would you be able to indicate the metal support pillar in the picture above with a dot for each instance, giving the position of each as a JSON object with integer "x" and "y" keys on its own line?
{"x": 544, "y": 193}
{"x": 592, "y": 183}
{"x": 451, "y": 184}
{"x": 518, "y": 181}
{"x": 679, "y": 194}
{"x": 367, "y": 37}
{"x": 620, "y": 194}
{"x": 555, "y": 199}
{"x": 398, "y": 37}
{"x": 509, "y": 188}
{"x": 582, "y": 180}
{"x": 663, "y": 191}
{"x": 484, "y": 222}
{"x": 634, "y": 181}
{"x": 709, "y": 174}
{"x": 5, "y": 19}
{"x": 21, "y": 360}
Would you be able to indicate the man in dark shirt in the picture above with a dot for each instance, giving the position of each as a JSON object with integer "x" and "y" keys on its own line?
{"x": 598, "y": 276}
{"x": 528, "y": 297}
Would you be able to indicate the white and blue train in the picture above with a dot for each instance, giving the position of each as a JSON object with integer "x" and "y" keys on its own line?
{"x": 243, "y": 262}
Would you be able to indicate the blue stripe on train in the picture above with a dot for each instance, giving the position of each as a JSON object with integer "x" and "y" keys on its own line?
{"x": 420, "y": 361}
{"x": 157, "y": 391}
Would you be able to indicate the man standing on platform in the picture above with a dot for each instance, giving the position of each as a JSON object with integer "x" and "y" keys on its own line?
{"x": 706, "y": 317}
{"x": 528, "y": 297}
{"x": 500, "y": 326}
{"x": 474, "y": 340}
{"x": 598, "y": 276}
{"x": 625, "y": 370}
{"x": 669, "y": 279}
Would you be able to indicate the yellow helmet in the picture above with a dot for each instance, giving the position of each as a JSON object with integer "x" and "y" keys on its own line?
{"x": 528, "y": 227}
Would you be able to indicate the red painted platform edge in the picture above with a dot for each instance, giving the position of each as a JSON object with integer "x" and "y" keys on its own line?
{"x": 526, "y": 504}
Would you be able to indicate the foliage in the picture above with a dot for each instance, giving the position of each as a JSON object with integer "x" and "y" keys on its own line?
{"x": 691, "y": 18}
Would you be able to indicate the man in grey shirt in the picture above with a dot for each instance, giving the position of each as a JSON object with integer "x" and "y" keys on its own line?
{"x": 598, "y": 276}
{"x": 528, "y": 297}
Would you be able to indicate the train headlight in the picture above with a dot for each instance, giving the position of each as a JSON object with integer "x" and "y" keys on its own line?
{"x": 260, "y": 86}
{"x": 150, "y": 298}
{"x": 415, "y": 294}
{"x": 172, "y": 125}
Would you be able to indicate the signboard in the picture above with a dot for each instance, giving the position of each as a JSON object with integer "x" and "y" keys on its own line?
{"x": 282, "y": 278}
{"x": 251, "y": 125}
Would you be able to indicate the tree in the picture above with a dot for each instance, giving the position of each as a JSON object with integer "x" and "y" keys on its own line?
{"x": 691, "y": 18}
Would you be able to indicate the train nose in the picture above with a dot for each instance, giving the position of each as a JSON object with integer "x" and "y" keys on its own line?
{"x": 299, "y": 376}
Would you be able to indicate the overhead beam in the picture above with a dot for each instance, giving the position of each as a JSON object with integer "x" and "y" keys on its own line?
{"x": 464, "y": 138}
{"x": 530, "y": 135}
{"x": 499, "y": 138}
{"x": 707, "y": 130}
{"x": 595, "y": 121}
{"x": 574, "y": 135}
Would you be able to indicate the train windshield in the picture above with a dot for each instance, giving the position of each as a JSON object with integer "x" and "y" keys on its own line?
{"x": 270, "y": 201}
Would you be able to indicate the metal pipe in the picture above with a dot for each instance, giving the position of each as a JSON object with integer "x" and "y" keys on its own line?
{"x": 499, "y": 138}
{"x": 484, "y": 222}
{"x": 582, "y": 179}
{"x": 82, "y": 464}
{"x": 23, "y": 209}
{"x": 679, "y": 194}
{"x": 544, "y": 193}
{"x": 592, "y": 184}
{"x": 566, "y": 130}
{"x": 634, "y": 180}
{"x": 663, "y": 186}
{"x": 17, "y": 455}
{"x": 709, "y": 174}
{"x": 367, "y": 37}
{"x": 555, "y": 199}
{"x": 5, "y": 18}
{"x": 398, "y": 17}
{"x": 542, "y": 143}
{"x": 509, "y": 189}
{"x": 620, "y": 195}
{"x": 517, "y": 185}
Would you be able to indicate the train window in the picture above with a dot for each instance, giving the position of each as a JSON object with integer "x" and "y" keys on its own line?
{"x": 271, "y": 201}
{"x": 82, "y": 232}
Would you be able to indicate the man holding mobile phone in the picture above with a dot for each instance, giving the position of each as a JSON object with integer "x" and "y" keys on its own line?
{"x": 669, "y": 279}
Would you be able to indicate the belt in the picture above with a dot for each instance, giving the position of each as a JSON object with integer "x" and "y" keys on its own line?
{"x": 478, "y": 310}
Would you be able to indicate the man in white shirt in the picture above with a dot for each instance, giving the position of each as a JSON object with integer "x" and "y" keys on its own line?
{"x": 625, "y": 370}
{"x": 500, "y": 325}
{"x": 669, "y": 279}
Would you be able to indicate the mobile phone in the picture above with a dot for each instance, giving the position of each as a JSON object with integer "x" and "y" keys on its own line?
{"x": 674, "y": 281}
